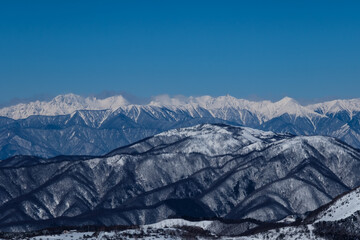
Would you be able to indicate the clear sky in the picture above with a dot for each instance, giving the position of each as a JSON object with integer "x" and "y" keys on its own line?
{"x": 268, "y": 49}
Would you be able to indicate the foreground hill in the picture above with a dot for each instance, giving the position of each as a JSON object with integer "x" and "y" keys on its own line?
{"x": 73, "y": 125}
{"x": 200, "y": 172}
{"x": 337, "y": 220}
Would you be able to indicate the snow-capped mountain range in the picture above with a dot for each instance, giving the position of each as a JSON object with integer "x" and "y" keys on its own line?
{"x": 70, "y": 124}
{"x": 201, "y": 171}
{"x": 265, "y": 110}
{"x": 62, "y": 105}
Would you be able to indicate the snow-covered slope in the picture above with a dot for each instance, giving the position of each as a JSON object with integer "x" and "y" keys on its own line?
{"x": 184, "y": 172}
{"x": 342, "y": 208}
{"x": 336, "y": 220}
{"x": 333, "y": 221}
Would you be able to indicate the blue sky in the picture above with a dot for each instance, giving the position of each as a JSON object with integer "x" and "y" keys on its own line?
{"x": 267, "y": 49}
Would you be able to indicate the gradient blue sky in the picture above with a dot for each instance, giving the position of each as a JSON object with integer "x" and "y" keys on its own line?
{"x": 269, "y": 49}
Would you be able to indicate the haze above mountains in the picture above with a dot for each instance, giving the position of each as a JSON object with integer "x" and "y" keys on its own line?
{"x": 74, "y": 125}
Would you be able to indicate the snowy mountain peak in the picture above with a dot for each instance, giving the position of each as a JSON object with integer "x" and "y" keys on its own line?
{"x": 286, "y": 101}
{"x": 209, "y": 130}
{"x": 215, "y": 139}
{"x": 61, "y": 105}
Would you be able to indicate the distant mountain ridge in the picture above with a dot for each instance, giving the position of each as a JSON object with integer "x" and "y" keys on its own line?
{"x": 70, "y": 124}
{"x": 265, "y": 110}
